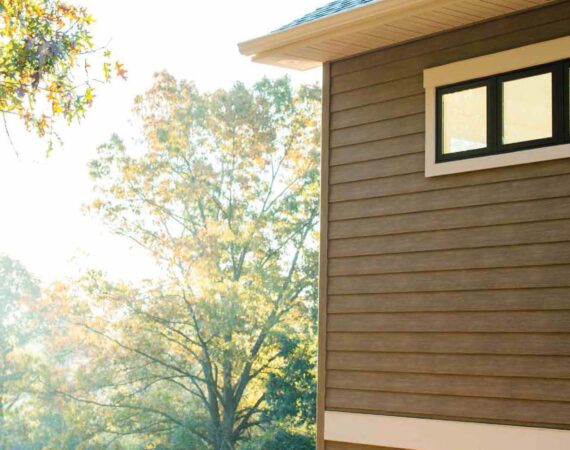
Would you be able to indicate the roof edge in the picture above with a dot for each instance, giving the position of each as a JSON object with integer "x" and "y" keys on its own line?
{"x": 278, "y": 48}
{"x": 279, "y": 38}
{"x": 310, "y": 44}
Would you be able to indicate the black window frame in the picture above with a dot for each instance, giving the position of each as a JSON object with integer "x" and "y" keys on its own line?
{"x": 566, "y": 94}
{"x": 560, "y": 114}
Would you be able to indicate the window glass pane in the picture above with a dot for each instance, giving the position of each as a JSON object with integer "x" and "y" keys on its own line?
{"x": 464, "y": 116}
{"x": 527, "y": 109}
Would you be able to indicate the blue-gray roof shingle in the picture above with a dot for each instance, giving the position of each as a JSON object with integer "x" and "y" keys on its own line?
{"x": 332, "y": 8}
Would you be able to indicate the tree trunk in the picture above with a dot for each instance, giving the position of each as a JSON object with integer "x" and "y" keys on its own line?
{"x": 224, "y": 438}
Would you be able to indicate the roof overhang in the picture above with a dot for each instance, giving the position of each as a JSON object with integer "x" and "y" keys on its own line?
{"x": 375, "y": 25}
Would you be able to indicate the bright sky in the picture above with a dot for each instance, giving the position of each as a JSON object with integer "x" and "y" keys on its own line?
{"x": 41, "y": 222}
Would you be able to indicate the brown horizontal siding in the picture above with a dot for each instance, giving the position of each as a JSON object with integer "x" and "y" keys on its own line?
{"x": 454, "y": 322}
{"x": 376, "y": 131}
{"x": 401, "y": 145}
{"x": 475, "y": 258}
{"x": 448, "y": 219}
{"x": 463, "y": 342}
{"x": 513, "y": 411}
{"x": 525, "y": 366}
{"x": 447, "y": 297}
{"x": 462, "y": 386}
{"x": 412, "y": 163}
{"x": 412, "y": 85}
{"x": 462, "y": 238}
{"x": 377, "y": 112}
{"x": 485, "y": 194}
{"x": 544, "y": 299}
{"x": 525, "y": 277}
{"x": 373, "y": 183}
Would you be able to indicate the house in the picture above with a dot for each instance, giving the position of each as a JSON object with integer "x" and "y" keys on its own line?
{"x": 445, "y": 247}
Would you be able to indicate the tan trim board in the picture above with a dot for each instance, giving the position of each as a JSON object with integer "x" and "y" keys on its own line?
{"x": 470, "y": 69}
{"x": 429, "y": 434}
{"x": 495, "y": 63}
{"x": 323, "y": 262}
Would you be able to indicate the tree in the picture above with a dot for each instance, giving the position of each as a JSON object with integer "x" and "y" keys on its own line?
{"x": 223, "y": 192}
{"x": 46, "y": 53}
{"x": 289, "y": 419}
{"x": 17, "y": 286}
{"x": 30, "y": 417}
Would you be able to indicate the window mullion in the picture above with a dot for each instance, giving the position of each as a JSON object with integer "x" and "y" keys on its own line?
{"x": 558, "y": 102}
{"x": 493, "y": 124}
{"x": 566, "y": 100}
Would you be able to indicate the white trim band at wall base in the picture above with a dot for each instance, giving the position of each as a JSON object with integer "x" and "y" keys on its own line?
{"x": 428, "y": 434}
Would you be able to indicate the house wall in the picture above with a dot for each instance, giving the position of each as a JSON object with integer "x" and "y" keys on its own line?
{"x": 444, "y": 297}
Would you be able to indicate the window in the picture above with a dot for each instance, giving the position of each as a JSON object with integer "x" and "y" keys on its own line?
{"x": 464, "y": 115}
{"x": 520, "y": 110}
{"x": 527, "y": 108}
{"x": 501, "y": 109}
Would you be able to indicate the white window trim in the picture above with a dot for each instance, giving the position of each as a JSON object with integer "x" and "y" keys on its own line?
{"x": 484, "y": 66}
{"x": 430, "y": 434}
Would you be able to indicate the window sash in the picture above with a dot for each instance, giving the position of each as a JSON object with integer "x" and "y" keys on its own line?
{"x": 441, "y": 92}
{"x": 520, "y": 75}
